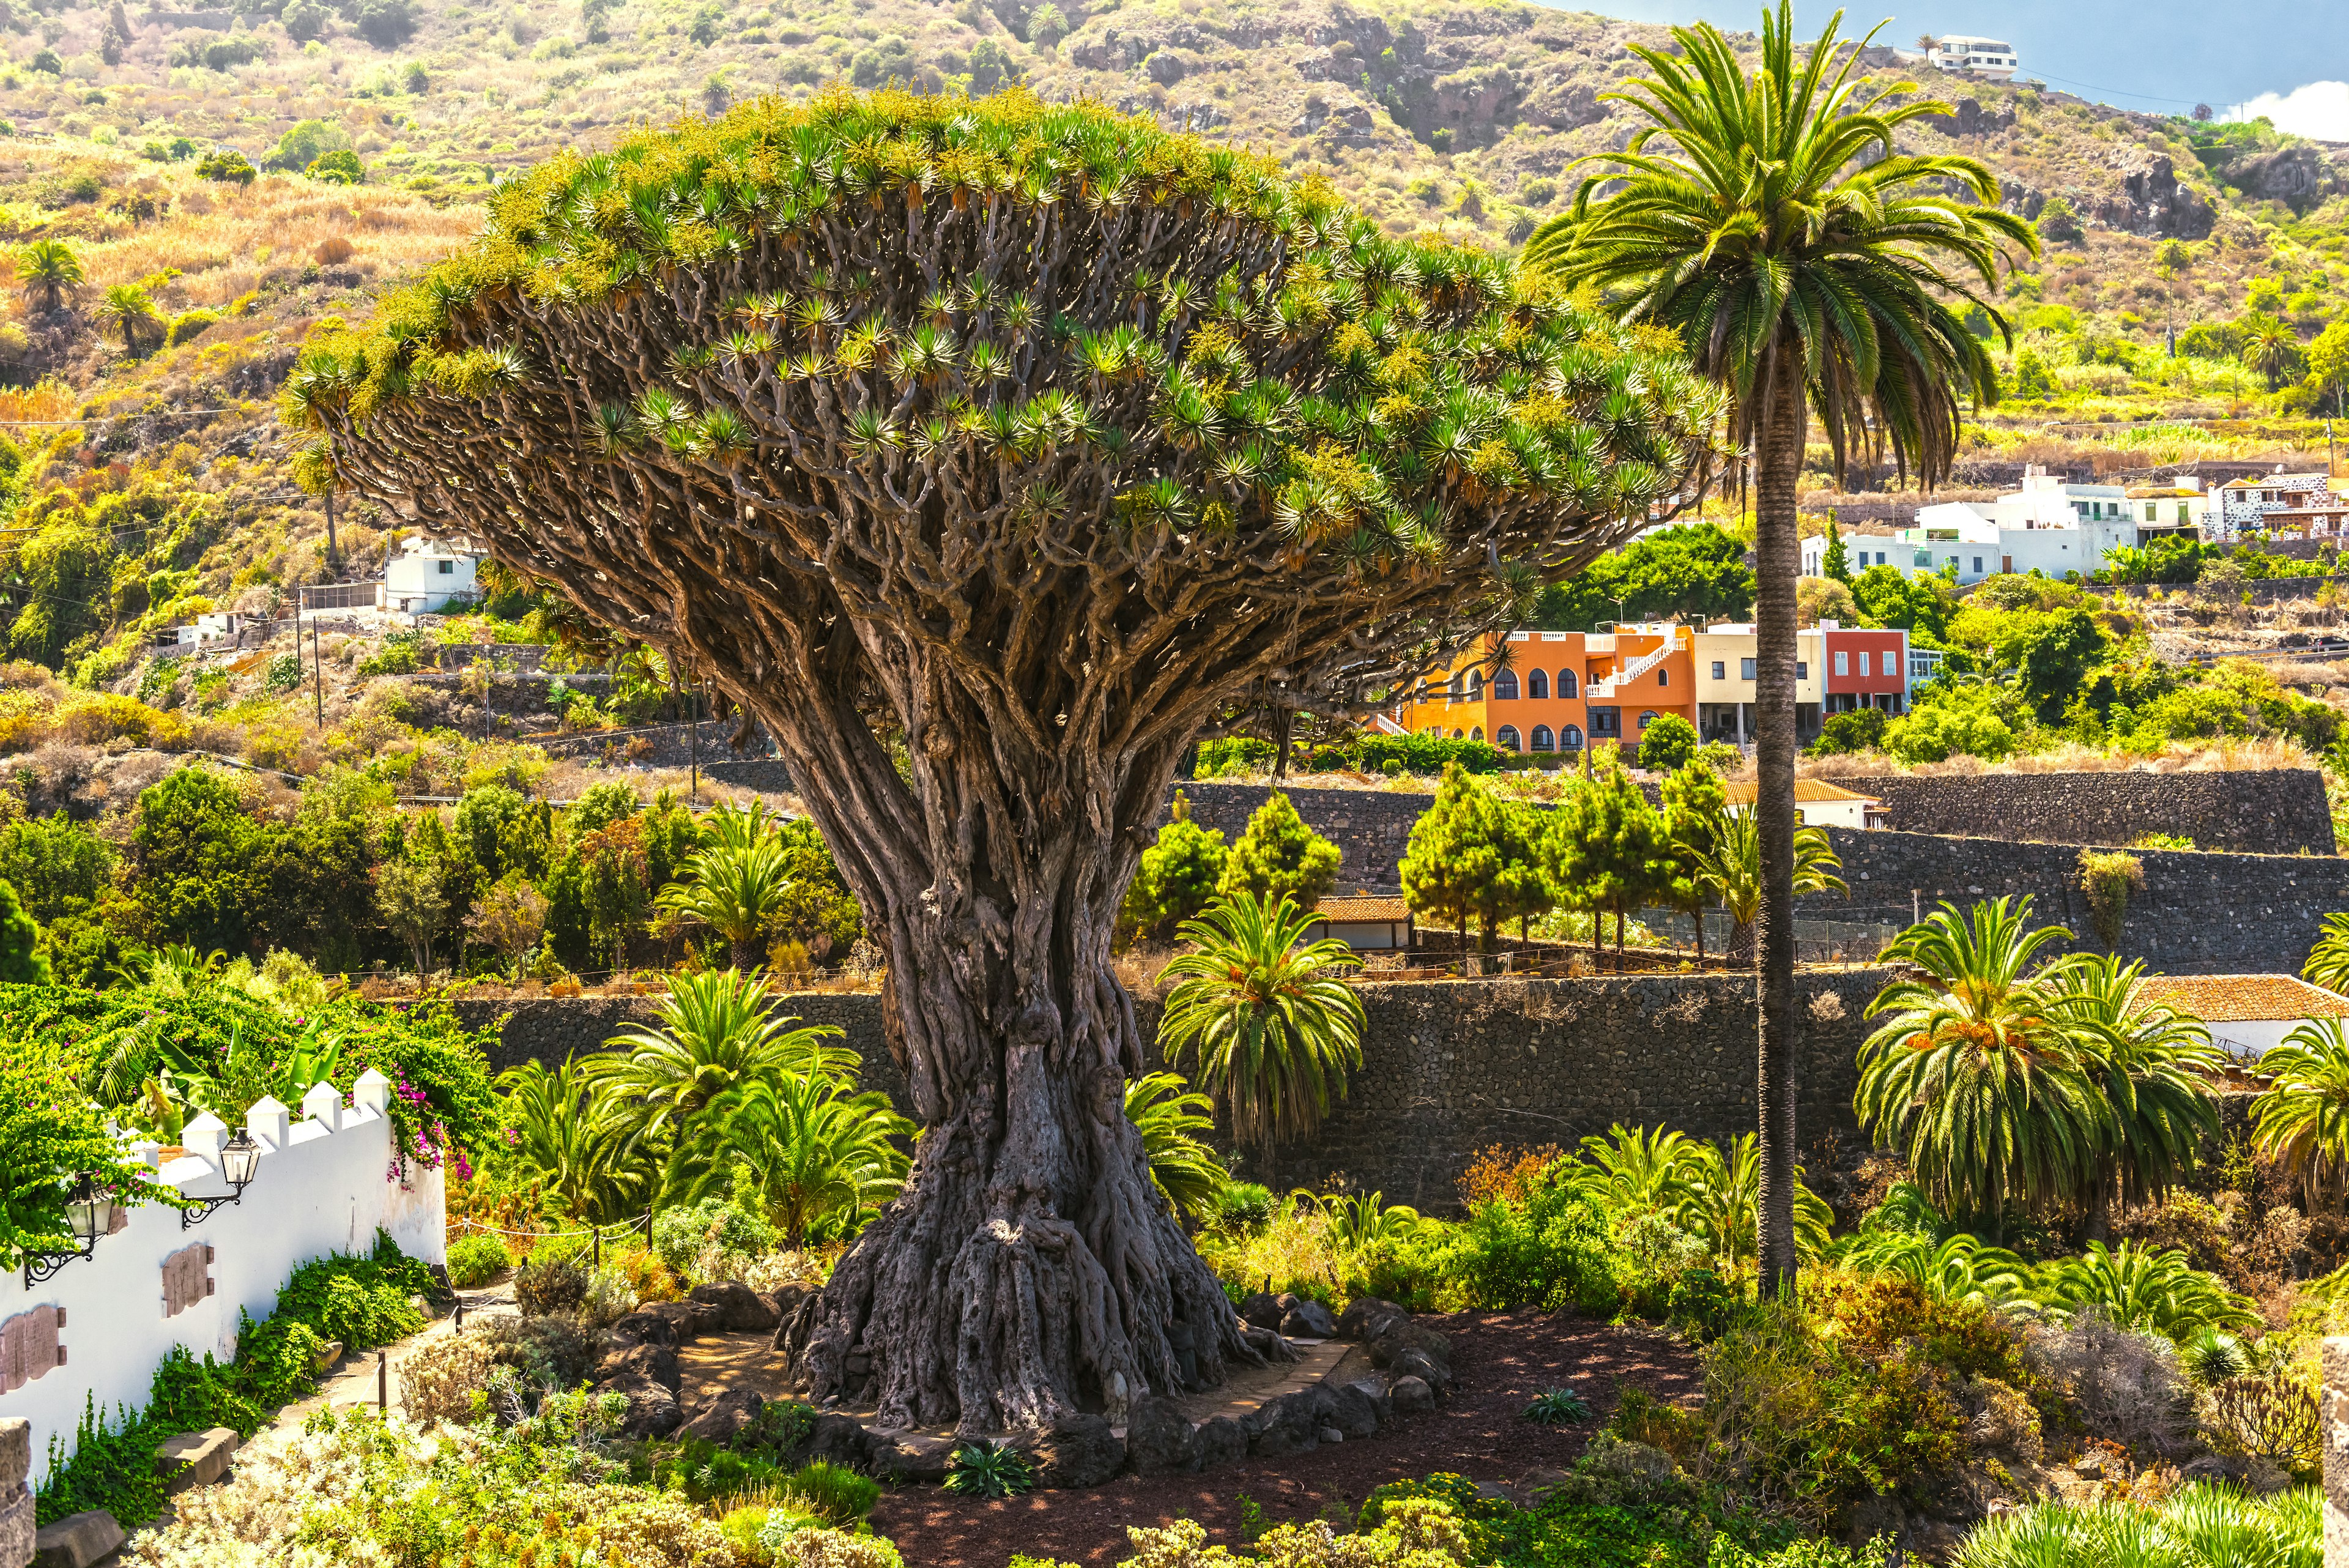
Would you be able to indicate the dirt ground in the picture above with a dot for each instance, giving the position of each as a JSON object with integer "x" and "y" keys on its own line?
{"x": 1501, "y": 1362}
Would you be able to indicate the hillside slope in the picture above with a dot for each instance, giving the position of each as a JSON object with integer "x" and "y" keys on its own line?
{"x": 166, "y": 481}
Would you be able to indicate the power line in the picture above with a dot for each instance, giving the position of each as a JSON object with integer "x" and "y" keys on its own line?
{"x": 142, "y": 414}
{"x": 2117, "y": 92}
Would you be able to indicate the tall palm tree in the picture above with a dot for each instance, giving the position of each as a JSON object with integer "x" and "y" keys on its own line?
{"x": 49, "y": 270}
{"x": 1976, "y": 1076}
{"x": 131, "y": 308}
{"x": 2270, "y": 347}
{"x": 2154, "y": 1062}
{"x": 1728, "y": 870}
{"x": 2302, "y": 1120}
{"x": 713, "y": 1034}
{"x": 1801, "y": 276}
{"x": 1276, "y": 1030}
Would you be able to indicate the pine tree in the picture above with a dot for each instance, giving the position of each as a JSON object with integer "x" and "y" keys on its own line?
{"x": 1837, "y": 562}
{"x": 21, "y": 960}
{"x": 1178, "y": 875}
{"x": 1693, "y": 800}
{"x": 1612, "y": 853}
{"x": 1457, "y": 866}
{"x": 1279, "y": 855}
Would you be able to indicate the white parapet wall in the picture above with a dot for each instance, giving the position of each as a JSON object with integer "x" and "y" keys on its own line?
{"x": 326, "y": 1183}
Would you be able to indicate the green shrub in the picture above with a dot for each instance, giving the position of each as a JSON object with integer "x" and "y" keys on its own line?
{"x": 475, "y": 1261}
{"x": 184, "y": 328}
{"x": 228, "y": 165}
{"x": 1551, "y": 1252}
{"x": 837, "y": 1496}
{"x": 1244, "y": 1208}
{"x": 542, "y": 1289}
{"x": 682, "y": 1233}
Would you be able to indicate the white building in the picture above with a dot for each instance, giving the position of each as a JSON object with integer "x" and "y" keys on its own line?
{"x": 1992, "y": 57}
{"x": 216, "y": 627}
{"x": 1364, "y": 923}
{"x": 2249, "y": 1014}
{"x": 1818, "y": 804}
{"x": 2304, "y": 504}
{"x": 2049, "y": 525}
{"x": 428, "y": 575}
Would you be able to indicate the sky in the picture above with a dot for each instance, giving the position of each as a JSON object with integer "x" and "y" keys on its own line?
{"x": 2287, "y": 59}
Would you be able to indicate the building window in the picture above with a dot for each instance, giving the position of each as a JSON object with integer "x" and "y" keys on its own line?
{"x": 1604, "y": 722}
{"x": 1566, "y": 682}
{"x": 1977, "y": 565}
{"x": 1537, "y": 685}
{"x": 1843, "y": 663}
{"x": 1802, "y": 670}
{"x": 1720, "y": 669}
{"x": 1745, "y": 669}
{"x": 447, "y": 568}
{"x": 1477, "y": 733}
{"x": 1543, "y": 740}
{"x": 1452, "y": 692}
{"x": 1505, "y": 737}
{"x": 1570, "y": 739}
{"x": 1647, "y": 719}
{"x": 1663, "y": 678}
{"x": 1475, "y": 686}
{"x": 1504, "y": 686}
{"x": 1863, "y": 661}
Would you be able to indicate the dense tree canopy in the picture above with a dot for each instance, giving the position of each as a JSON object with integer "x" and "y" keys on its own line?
{"x": 986, "y": 451}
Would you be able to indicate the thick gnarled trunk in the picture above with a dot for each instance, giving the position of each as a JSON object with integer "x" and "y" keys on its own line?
{"x": 1778, "y": 562}
{"x": 1031, "y": 1269}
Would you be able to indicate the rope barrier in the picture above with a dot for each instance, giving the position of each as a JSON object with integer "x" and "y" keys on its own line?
{"x": 621, "y": 1229}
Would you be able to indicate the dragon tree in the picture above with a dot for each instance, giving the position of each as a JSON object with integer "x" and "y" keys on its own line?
{"x": 988, "y": 451}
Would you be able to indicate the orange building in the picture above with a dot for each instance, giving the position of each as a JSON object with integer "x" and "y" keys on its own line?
{"x": 1558, "y": 691}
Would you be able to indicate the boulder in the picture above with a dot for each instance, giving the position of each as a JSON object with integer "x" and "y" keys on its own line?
{"x": 1267, "y": 1342}
{"x": 19, "y": 1526}
{"x": 838, "y": 1440}
{"x": 652, "y": 1407}
{"x": 912, "y": 1457}
{"x": 195, "y": 1458}
{"x": 1352, "y": 1413}
{"x": 1308, "y": 1319}
{"x": 1159, "y": 1440}
{"x": 15, "y": 1454}
{"x": 690, "y": 1320}
{"x": 1074, "y": 1451}
{"x": 1411, "y": 1395}
{"x": 76, "y": 1540}
{"x": 724, "y": 1413}
{"x": 1415, "y": 1363}
{"x": 640, "y": 1328}
{"x": 1219, "y": 1442}
{"x": 1284, "y": 1426}
{"x": 1365, "y": 1315}
{"x": 1394, "y": 1336}
{"x": 741, "y": 1309}
{"x": 1263, "y": 1311}
{"x": 646, "y": 1363}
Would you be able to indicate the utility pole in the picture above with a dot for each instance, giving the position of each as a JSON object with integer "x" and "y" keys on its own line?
{"x": 332, "y": 553}
{"x": 317, "y": 671}
{"x": 693, "y": 737}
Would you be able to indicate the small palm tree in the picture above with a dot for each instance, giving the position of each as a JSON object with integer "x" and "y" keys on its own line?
{"x": 2157, "y": 1291}
{"x": 1975, "y": 1076}
{"x": 560, "y": 1127}
{"x": 1175, "y": 1121}
{"x": 2272, "y": 347}
{"x": 49, "y": 270}
{"x": 733, "y": 888}
{"x": 130, "y": 308}
{"x": 820, "y": 1154}
{"x": 1724, "y": 1187}
{"x": 1635, "y": 1167}
{"x": 714, "y": 1034}
{"x": 1730, "y": 870}
{"x": 1274, "y": 1028}
{"x": 2328, "y": 961}
{"x": 2154, "y": 1063}
{"x": 2302, "y": 1121}
{"x": 1808, "y": 264}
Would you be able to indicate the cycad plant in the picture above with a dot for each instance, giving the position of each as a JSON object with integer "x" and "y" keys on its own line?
{"x": 734, "y": 883}
{"x": 1174, "y": 1120}
{"x": 1274, "y": 1028}
{"x": 2302, "y": 1120}
{"x": 820, "y": 1154}
{"x": 2328, "y": 961}
{"x": 49, "y": 270}
{"x": 1808, "y": 264}
{"x": 2153, "y": 1290}
{"x": 1728, "y": 870}
{"x": 1975, "y": 1075}
{"x": 713, "y": 1033}
{"x": 563, "y": 1129}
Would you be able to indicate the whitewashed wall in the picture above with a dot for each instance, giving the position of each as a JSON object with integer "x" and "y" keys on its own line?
{"x": 324, "y": 1185}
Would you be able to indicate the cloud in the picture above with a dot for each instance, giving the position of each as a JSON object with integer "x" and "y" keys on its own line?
{"x": 2320, "y": 110}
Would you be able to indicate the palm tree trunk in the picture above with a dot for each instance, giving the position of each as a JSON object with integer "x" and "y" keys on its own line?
{"x": 1778, "y": 562}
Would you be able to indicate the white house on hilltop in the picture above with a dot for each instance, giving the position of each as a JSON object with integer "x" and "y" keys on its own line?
{"x": 2050, "y": 525}
{"x": 1992, "y": 57}
{"x": 429, "y": 574}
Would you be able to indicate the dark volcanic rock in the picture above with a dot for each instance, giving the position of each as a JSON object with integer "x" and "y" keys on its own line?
{"x": 725, "y": 1414}
{"x": 1158, "y": 1438}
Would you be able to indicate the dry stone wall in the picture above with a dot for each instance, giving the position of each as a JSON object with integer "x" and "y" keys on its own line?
{"x": 1448, "y": 1068}
{"x": 2278, "y": 811}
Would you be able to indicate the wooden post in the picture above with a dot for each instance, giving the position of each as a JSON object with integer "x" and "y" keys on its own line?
{"x": 2332, "y": 1421}
{"x": 383, "y": 1383}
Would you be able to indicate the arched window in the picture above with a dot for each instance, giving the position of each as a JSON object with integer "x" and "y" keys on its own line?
{"x": 1505, "y": 737}
{"x": 1566, "y": 682}
{"x": 1456, "y": 734}
{"x": 1538, "y": 684}
{"x": 1475, "y": 686}
{"x": 1571, "y": 739}
{"x": 1452, "y": 692}
{"x": 1647, "y": 719}
{"x": 1543, "y": 740}
{"x": 1663, "y": 678}
{"x": 1504, "y": 686}
{"x": 1477, "y": 733}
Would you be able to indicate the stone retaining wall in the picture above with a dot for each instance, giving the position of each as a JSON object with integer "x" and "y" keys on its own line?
{"x": 2278, "y": 811}
{"x": 1448, "y": 1068}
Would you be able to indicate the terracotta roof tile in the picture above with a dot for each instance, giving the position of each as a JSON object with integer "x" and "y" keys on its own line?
{"x": 1362, "y": 909}
{"x": 1741, "y": 793}
{"x": 2243, "y": 998}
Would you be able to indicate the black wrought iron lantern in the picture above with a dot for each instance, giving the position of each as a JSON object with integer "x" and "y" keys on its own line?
{"x": 239, "y": 1160}
{"x": 87, "y": 1211}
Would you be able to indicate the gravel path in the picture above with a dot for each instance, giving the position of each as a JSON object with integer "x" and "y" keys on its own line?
{"x": 1501, "y": 1361}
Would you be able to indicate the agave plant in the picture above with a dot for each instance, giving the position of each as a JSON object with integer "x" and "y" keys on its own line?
{"x": 1558, "y": 1407}
{"x": 988, "y": 1470}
